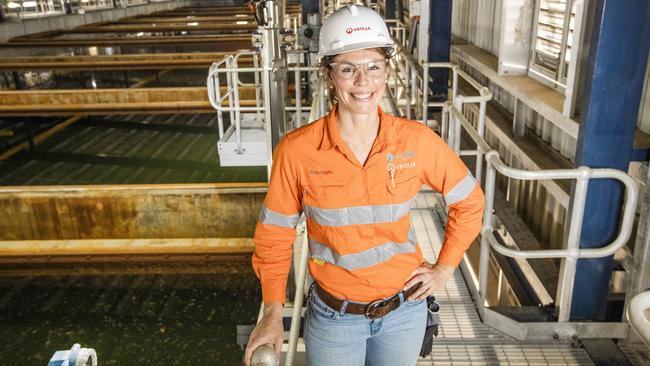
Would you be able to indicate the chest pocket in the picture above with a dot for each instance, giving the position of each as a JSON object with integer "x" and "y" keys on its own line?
{"x": 324, "y": 194}
{"x": 402, "y": 187}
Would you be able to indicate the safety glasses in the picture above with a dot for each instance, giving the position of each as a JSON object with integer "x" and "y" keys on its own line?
{"x": 347, "y": 70}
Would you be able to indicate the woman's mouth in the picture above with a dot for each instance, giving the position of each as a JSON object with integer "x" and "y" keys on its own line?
{"x": 362, "y": 97}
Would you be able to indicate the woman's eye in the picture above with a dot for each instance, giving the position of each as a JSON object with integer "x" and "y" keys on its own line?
{"x": 373, "y": 67}
{"x": 347, "y": 69}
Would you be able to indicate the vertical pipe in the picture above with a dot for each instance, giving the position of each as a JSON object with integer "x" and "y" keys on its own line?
{"x": 484, "y": 260}
{"x": 298, "y": 97}
{"x": 229, "y": 90}
{"x": 297, "y": 302}
{"x": 425, "y": 94}
{"x": 235, "y": 86}
{"x": 444, "y": 125}
{"x": 481, "y": 132}
{"x": 454, "y": 83}
{"x": 455, "y": 129}
{"x": 412, "y": 88}
{"x": 216, "y": 86}
{"x": 409, "y": 90}
{"x": 256, "y": 73}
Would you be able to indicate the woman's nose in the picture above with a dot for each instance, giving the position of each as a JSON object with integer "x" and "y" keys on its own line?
{"x": 362, "y": 75}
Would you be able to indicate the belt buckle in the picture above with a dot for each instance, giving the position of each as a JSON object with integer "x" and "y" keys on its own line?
{"x": 371, "y": 307}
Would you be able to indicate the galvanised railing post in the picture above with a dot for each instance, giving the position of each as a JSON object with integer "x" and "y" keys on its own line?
{"x": 569, "y": 263}
{"x": 454, "y": 127}
{"x": 484, "y": 260}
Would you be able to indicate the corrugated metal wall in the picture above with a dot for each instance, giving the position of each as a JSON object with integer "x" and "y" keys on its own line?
{"x": 478, "y": 22}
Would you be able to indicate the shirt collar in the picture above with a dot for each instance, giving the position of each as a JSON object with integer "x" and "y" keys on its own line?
{"x": 331, "y": 137}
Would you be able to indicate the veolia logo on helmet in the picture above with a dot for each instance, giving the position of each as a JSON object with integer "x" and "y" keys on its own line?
{"x": 357, "y": 29}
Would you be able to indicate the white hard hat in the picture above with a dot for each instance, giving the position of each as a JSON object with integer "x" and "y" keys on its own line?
{"x": 353, "y": 28}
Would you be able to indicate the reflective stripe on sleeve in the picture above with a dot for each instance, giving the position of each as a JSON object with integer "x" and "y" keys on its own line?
{"x": 358, "y": 215}
{"x": 367, "y": 258}
{"x": 461, "y": 191}
{"x": 273, "y": 218}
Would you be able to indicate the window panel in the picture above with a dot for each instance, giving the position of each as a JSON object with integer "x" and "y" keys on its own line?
{"x": 553, "y": 38}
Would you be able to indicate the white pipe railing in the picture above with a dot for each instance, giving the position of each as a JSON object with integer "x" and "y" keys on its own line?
{"x": 637, "y": 315}
{"x": 572, "y": 252}
{"x": 294, "y": 331}
{"x": 264, "y": 356}
{"x": 229, "y": 100}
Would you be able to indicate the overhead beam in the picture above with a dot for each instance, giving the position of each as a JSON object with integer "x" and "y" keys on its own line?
{"x": 112, "y": 101}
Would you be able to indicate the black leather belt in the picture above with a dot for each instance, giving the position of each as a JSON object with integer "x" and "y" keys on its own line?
{"x": 372, "y": 310}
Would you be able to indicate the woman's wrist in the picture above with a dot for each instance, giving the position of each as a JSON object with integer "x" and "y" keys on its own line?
{"x": 273, "y": 309}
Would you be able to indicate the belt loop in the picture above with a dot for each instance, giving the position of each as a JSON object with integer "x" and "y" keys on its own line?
{"x": 344, "y": 306}
{"x": 401, "y": 298}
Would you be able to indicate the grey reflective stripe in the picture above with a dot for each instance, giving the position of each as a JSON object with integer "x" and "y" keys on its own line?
{"x": 367, "y": 258}
{"x": 273, "y": 218}
{"x": 461, "y": 191}
{"x": 358, "y": 215}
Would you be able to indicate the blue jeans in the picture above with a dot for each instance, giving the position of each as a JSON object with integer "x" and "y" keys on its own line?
{"x": 334, "y": 338}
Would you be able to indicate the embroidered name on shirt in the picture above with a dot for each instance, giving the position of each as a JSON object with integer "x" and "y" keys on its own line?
{"x": 320, "y": 172}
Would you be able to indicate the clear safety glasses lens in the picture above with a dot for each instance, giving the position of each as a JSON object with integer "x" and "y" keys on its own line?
{"x": 345, "y": 70}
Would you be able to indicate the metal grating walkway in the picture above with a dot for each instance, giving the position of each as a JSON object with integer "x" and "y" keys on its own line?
{"x": 463, "y": 338}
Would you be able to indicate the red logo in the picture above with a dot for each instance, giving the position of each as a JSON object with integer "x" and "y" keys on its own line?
{"x": 357, "y": 29}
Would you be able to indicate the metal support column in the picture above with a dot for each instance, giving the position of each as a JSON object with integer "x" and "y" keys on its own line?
{"x": 308, "y": 7}
{"x": 274, "y": 76}
{"x": 617, "y": 62}
{"x": 439, "y": 47}
{"x": 390, "y": 9}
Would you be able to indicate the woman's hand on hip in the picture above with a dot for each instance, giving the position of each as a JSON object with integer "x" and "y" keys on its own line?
{"x": 433, "y": 278}
{"x": 269, "y": 330}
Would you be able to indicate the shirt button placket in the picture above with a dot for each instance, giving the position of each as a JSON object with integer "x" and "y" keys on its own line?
{"x": 366, "y": 186}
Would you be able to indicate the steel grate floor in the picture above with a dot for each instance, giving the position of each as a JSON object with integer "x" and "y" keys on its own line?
{"x": 463, "y": 338}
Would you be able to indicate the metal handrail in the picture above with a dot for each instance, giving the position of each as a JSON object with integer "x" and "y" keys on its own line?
{"x": 636, "y": 314}
{"x": 264, "y": 355}
{"x": 229, "y": 66}
{"x": 572, "y": 253}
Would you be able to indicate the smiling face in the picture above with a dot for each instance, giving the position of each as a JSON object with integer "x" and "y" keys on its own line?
{"x": 361, "y": 93}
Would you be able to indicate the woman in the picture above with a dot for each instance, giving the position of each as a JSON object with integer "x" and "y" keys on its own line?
{"x": 354, "y": 174}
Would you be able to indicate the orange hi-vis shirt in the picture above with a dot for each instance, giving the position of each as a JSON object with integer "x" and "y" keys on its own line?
{"x": 362, "y": 245}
